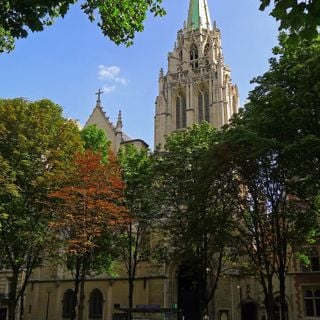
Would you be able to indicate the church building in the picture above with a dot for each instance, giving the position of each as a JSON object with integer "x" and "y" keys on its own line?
{"x": 196, "y": 87}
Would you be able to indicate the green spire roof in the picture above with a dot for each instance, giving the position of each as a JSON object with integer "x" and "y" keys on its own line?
{"x": 198, "y": 15}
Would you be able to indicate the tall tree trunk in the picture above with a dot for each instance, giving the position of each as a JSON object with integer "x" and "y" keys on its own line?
{"x": 12, "y": 310}
{"x": 131, "y": 288}
{"x": 76, "y": 288}
{"x": 81, "y": 292}
{"x": 283, "y": 303}
{"x": 269, "y": 299}
{"x": 12, "y": 305}
{"x": 130, "y": 270}
{"x": 21, "y": 316}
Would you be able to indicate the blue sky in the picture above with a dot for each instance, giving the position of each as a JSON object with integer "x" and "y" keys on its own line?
{"x": 70, "y": 60}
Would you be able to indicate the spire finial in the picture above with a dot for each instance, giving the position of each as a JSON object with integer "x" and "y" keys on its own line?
{"x": 98, "y": 98}
{"x": 119, "y": 122}
{"x": 161, "y": 73}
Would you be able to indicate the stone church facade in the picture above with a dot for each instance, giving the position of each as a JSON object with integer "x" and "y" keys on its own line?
{"x": 196, "y": 87}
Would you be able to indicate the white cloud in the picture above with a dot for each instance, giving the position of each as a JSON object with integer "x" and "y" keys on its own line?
{"x": 121, "y": 80}
{"x": 111, "y": 77}
{"x": 108, "y": 89}
{"x": 108, "y": 72}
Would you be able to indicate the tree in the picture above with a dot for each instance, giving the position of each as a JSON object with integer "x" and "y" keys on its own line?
{"x": 87, "y": 209}
{"x": 271, "y": 223}
{"x": 95, "y": 139}
{"x": 284, "y": 107}
{"x": 300, "y": 18}
{"x": 118, "y": 20}
{"x": 195, "y": 209}
{"x": 134, "y": 243}
{"x": 36, "y": 143}
{"x": 274, "y": 149}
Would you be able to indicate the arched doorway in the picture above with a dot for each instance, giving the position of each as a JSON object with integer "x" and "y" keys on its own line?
{"x": 249, "y": 311}
{"x": 188, "y": 294}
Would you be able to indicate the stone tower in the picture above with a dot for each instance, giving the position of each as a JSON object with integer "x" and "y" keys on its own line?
{"x": 197, "y": 86}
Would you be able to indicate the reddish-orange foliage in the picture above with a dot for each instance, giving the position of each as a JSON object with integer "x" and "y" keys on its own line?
{"x": 90, "y": 202}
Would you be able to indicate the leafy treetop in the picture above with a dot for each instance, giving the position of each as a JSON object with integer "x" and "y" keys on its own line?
{"x": 300, "y": 18}
{"x": 95, "y": 139}
{"x": 118, "y": 20}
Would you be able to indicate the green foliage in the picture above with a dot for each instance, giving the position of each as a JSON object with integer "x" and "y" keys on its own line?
{"x": 300, "y": 18}
{"x": 95, "y": 139}
{"x": 285, "y": 109}
{"x": 134, "y": 242}
{"x": 195, "y": 204}
{"x": 273, "y": 150}
{"x": 36, "y": 144}
{"x": 136, "y": 166}
{"x": 118, "y": 20}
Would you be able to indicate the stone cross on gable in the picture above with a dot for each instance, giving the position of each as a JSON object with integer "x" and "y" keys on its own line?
{"x": 98, "y": 104}
{"x": 99, "y": 94}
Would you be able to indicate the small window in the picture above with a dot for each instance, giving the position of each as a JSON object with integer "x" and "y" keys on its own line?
{"x": 314, "y": 261}
{"x": 194, "y": 56}
{"x": 206, "y": 49}
{"x": 312, "y": 302}
{"x": 96, "y": 304}
{"x": 193, "y": 52}
{"x": 315, "y": 265}
{"x": 68, "y": 304}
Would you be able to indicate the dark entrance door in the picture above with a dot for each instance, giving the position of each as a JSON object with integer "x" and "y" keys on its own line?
{"x": 3, "y": 313}
{"x": 249, "y": 311}
{"x": 188, "y": 294}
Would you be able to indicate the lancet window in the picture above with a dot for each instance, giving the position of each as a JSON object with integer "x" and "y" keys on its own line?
{"x": 68, "y": 304}
{"x": 194, "y": 56}
{"x": 96, "y": 304}
{"x": 203, "y": 106}
{"x": 180, "y": 55}
{"x": 181, "y": 112}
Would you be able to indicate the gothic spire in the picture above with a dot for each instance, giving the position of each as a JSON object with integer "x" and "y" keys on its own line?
{"x": 198, "y": 15}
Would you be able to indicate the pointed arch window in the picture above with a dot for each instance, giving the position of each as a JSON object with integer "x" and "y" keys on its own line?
{"x": 68, "y": 304}
{"x": 203, "y": 106}
{"x": 181, "y": 112}
{"x": 206, "y": 49}
{"x": 194, "y": 56}
{"x": 96, "y": 304}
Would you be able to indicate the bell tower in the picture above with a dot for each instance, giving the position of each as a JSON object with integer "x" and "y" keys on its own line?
{"x": 197, "y": 86}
